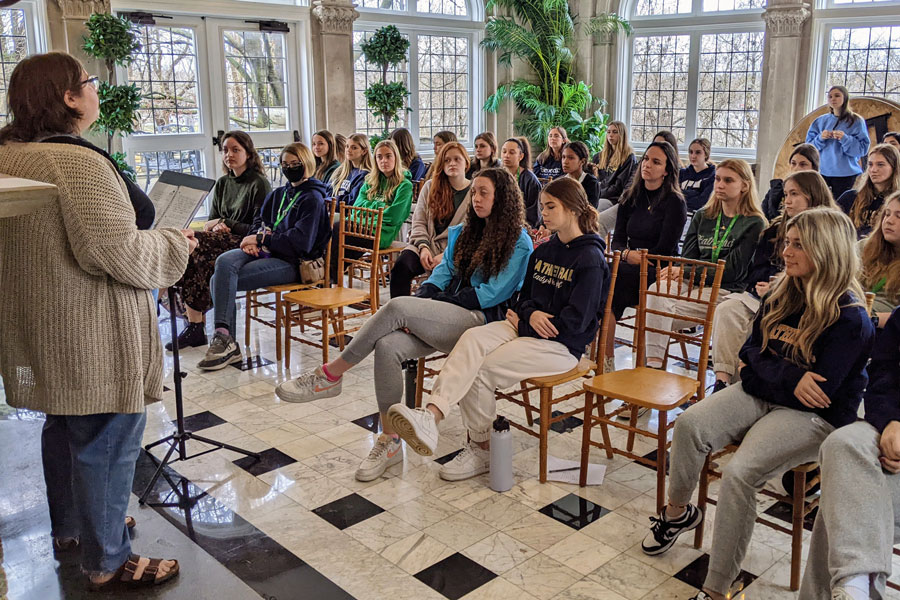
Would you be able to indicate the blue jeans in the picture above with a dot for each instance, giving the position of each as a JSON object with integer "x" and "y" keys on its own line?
{"x": 236, "y": 271}
{"x": 89, "y": 470}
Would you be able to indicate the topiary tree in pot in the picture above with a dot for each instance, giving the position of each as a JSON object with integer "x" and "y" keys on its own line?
{"x": 386, "y": 48}
{"x": 114, "y": 40}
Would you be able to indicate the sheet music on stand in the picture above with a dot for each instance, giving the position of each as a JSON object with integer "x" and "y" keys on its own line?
{"x": 177, "y": 198}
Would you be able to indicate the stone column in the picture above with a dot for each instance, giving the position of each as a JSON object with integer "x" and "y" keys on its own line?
{"x": 65, "y": 20}
{"x": 782, "y": 80}
{"x": 333, "y": 65}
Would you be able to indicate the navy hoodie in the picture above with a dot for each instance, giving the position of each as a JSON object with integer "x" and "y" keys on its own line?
{"x": 571, "y": 282}
{"x": 304, "y": 232}
{"x": 531, "y": 192}
{"x": 348, "y": 192}
{"x": 416, "y": 169}
{"x": 551, "y": 168}
{"x": 883, "y": 393}
{"x": 840, "y": 353}
{"x": 697, "y": 187}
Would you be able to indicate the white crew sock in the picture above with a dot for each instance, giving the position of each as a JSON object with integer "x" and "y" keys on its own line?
{"x": 856, "y": 585}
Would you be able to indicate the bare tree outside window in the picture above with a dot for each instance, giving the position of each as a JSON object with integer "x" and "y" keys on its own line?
{"x": 13, "y": 48}
{"x": 866, "y": 60}
{"x": 443, "y": 85}
{"x": 659, "y": 96}
{"x": 457, "y": 8}
{"x": 255, "y": 80}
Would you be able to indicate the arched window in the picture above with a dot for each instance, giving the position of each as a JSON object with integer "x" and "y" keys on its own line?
{"x": 858, "y": 47}
{"x": 21, "y": 34}
{"x": 443, "y": 70}
{"x": 694, "y": 67}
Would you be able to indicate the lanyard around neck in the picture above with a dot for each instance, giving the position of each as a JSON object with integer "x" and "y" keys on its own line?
{"x": 880, "y": 285}
{"x": 282, "y": 212}
{"x": 716, "y": 247}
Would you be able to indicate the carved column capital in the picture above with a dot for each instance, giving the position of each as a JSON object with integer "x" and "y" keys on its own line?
{"x": 786, "y": 20}
{"x": 82, "y": 9}
{"x": 335, "y": 16}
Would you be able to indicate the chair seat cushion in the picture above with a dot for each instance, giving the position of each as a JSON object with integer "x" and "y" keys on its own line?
{"x": 652, "y": 388}
{"x": 583, "y": 367}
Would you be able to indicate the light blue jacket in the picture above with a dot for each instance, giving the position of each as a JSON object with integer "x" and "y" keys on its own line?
{"x": 839, "y": 158}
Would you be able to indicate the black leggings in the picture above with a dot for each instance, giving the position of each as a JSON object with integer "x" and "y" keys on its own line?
{"x": 839, "y": 185}
{"x": 406, "y": 268}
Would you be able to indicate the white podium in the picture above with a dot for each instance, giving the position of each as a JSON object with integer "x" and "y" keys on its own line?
{"x": 22, "y": 196}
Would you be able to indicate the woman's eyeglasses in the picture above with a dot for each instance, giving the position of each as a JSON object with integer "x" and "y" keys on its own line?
{"x": 94, "y": 81}
{"x": 291, "y": 165}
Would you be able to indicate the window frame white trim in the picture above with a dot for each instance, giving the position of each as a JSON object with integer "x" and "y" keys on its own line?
{"x": 475, "y": 17}
{"x": 700, "y": 23}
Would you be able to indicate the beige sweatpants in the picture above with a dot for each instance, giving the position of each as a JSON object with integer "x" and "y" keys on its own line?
{"x": 657, "y": 342}
{"x": 487, "y": 358}
{"x": 731, "y": 328}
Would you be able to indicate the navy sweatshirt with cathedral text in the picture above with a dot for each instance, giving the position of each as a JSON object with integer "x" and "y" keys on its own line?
{"x": 571, "y": 282}
{"x": 883, "y": 393}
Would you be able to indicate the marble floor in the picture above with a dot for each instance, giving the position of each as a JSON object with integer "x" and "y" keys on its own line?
{"x": 296, "y": 524}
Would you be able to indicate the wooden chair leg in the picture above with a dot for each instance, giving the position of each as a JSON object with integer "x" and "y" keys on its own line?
{"x": 528, "y": 408}
{"x": 797, "y": 527}
{"x": 278, "y": 324}
{"x": 662, "y": 443}
{"x": 586, "y": 437}
{"x": 545, "y": 429}
{"x": 325, "y": 337}
{"x": 604, "y": 428}
{"x": 420, "y": 381}
{"x": 287, "y": 336}
{"x": 632, "y": 421}
{"x": 702, "y": 497}
{"x": 248, "y": 302}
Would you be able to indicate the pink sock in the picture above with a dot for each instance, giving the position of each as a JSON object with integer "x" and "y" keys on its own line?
{"x": 328, "y": 375}
{"x": 223, "y": 331}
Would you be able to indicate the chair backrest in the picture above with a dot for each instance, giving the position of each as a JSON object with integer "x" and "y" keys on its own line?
{"x": 599, "y": 349}
{"x": 330, "y": 205}
{"x": 360, "y": 224}
{"x": 692, "y": 287}
{"x": 870, "y": 302}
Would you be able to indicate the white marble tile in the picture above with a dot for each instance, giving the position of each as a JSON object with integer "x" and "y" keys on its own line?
{"x": 628, "y": 577}
{"x": 675, "y": 559}
{"x": 542, "y": 576}
{"x": 499, "y": 552}
{"x": 581, "y": 553}
{"x": 345, "y": 434}
{"x": 459, "y": 531}
{"x": 500, "y": 510}
{"x": 538, "y": 531}
{"x": 391, "y": 492}
{"x": 616, "y": 531}
{"x": 587, "y": 589}
{"x": 463, "y": 494}
{"x": 318, "y": 421}
{"x": 672, "y": 589}
{"x": 423, "y": 511}
{"x": 332, "y": 462}
{"x": 380, "y": 531}
{"x": 498, "y": 589}
{"x": 304, "y": 448}
{"x": 282, "y": 433}
{"x": 293, "y": 411}
{"x": 416, "y": 552}
{"x": 254, "y": 389}
{"x": 535, "y": 494}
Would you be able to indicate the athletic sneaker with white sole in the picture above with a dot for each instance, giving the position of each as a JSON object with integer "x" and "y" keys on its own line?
{"x": 664, "y": 531}
{"x": 223, "y": 351}
{"x": 416, "y": 426}
{"x": 471, "y": 462}
{"x": 701, "y": 595}
{"x": 312, "y": 385}
{"x": 387, "y": 451}
{"x": 841, "y": 594}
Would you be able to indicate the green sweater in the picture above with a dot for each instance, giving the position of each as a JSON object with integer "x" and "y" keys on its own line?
{"x": 736, "y": 250}
{"x": 396, "y": 209}
{"x": 237, "y": 200}
{"x": 329, "y": 171}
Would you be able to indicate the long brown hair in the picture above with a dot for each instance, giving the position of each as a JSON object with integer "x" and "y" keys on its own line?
{"x": 818, "y": 195}
{"x": 846, "y": 114}
{"x": 440, "y": 198}
{"x": 548, "y": 151}
{"x": 613, "y": 156}
{"x": 36, "y": 97}
{"x": 670, "y": 185}
{"x": 572, "y": 196}
{"x": 748, "y": 205}
{"x": 865, "y": 189}
{"x": 880, "y": 258}
{"x": 404, "y": 140}
{"x": 491, "y": 140}
{"x": 322, "y": 163}
{"x": 254, "y": 162}
{"x": 487, "y": 244}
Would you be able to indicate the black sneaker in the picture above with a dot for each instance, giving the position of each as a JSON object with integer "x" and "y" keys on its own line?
{"x": 701, "y": 595}
{"x": 193, "y": 335}
{"x": 719, "y": 385}
{"x": 663, "y": 532}
{"x": 222, "y": 352}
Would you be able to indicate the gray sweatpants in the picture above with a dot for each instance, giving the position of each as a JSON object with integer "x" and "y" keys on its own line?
{"x": 608, "y": 213}
{"x": 773, "y": 439}
{"x": 434, "y": 326}
{"x": 859, "y": 515}
{"x": 732, "y": 324}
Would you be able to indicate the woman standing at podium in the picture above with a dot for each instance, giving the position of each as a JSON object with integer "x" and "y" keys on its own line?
{"x": 79, "y": 338}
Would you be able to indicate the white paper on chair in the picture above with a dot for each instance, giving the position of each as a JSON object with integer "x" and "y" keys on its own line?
{"x": 568, "y": 471}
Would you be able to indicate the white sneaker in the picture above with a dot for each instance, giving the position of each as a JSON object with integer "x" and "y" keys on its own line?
{"x": 626, "y": 415}
{"x": 471, "y": 462}
{"x": 312, "y": 385}
{"x": 387, "y": 451}
{"x": 416, "y": 426}
{"x": 840, "y": 594}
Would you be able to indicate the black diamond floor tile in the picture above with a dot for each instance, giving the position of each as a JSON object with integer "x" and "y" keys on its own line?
{"x": 695, "y": 573}
{"x": 652, "y": 456}
{"x": 574, "y": 511}
{"x": 455, "y": 576}
{"x": 252, "y": 362}
{"x": 268, "y": 460}
{"x": 202, "y": 420}
{"x": 784, "y": 511}
{"x": 447, "y": 457}
{"x": 348, "y": 511}
{"x": 370, "y": 422}
{"x": 566, "y": 425}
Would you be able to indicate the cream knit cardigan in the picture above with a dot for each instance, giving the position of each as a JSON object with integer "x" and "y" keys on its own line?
{"x": 78, "y": 332}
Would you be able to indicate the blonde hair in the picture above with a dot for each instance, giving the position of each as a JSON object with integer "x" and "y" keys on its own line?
{"x": 381, "y": 184}
{"x": 828, "y": 238}
{"x": 748, "y": 205}
{"x": 880, "y": 258}
{"x": 343, "y": 171}
{"x": 613, "y": 156}
{"x": 306, "y": 156}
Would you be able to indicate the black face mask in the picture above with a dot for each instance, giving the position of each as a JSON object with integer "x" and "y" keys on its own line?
{"x": 293, "y": 174}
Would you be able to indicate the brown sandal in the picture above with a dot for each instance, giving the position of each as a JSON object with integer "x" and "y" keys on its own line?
{"x": 130, "y": 522}
{"x": 125, "y": 575}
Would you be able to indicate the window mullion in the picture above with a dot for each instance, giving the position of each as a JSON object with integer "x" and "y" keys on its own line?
{"x": 690, "y": 124}
{"x": 413, "y": 86}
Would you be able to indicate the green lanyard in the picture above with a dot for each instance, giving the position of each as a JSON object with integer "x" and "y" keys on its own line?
{"x": 282, "y": 212}
{"x": 715, "y": 247}
{"x": 880, "y": 285}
